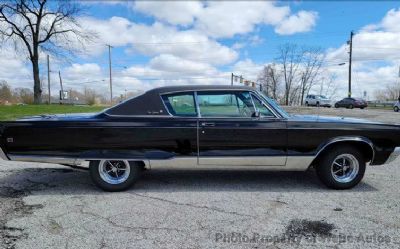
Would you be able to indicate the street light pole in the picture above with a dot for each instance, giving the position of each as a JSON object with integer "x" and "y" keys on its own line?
{"x": 350, "y": 59}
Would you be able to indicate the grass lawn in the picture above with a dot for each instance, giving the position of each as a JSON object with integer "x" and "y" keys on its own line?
{"x": 16, "y": 111}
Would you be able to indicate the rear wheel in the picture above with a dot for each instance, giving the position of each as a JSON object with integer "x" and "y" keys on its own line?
{"x": 114, "y": 175}
{"x": 341, "y": 167}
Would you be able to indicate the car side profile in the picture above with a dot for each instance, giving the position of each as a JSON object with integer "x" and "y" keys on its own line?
{"x": 317, "y": 100}
{"x": 352, "y": 103}
{"x": 201, "y": 127}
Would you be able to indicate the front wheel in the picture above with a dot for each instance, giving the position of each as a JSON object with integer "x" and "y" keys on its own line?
{"x": 351, "y": 106}
{"x": 396, "y": 109}
{"x": 336, "y": 106}
{"x": 114, "y": 175}
{"x": 341, "y": 167}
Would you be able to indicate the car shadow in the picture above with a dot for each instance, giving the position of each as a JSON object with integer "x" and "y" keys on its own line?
{"x": 78, "y": 182}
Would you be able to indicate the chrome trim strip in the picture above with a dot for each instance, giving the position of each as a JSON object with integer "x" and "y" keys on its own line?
{"x": 394, "y": 155}
{"x": 244, "y": 160}
{"x": 295, "y": 163}
{"x": 348, "y": 138}
{"x": 81, "y": 162}
{"x": 3, "y": 155}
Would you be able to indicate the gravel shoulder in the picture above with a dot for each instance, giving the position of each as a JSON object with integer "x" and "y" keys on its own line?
{"x": 51, "y": 206}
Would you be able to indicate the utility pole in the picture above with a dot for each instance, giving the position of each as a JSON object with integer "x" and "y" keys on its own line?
{"x": 109, "y": 62}
{"x": 61, "y": 85}
{"x": 232, "y": 79}
{"x": 350, "y": 42}
{"x": 48, "y": 77}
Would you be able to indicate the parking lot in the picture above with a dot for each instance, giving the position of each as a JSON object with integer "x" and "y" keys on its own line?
{"x": 51, "y": 206}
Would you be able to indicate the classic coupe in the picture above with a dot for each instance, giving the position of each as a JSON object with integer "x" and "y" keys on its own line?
{"x": 201, "y": 127}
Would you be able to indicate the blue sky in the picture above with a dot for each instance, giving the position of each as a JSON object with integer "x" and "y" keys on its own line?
{"x": 163, "y": 43}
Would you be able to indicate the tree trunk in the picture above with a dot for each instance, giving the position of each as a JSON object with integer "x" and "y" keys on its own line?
{"x": 37, "y": 91}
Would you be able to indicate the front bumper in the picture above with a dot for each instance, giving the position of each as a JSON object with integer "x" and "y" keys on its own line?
{"x": 395, "y": 154}
{"x": 3, "y": 155}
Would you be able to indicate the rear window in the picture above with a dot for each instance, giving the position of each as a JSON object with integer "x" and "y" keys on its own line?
{"x": 180, "y": 104}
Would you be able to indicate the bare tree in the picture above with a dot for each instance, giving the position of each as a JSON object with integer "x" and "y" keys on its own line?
{"x": 311, "y": 63}
{"x": 290, "y": 59}
{"x": 270, "y": 78}
{"x": 41, "y": 26}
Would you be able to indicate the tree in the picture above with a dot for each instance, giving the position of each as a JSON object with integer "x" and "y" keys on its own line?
{"x": 311, "y": 63}
{"x": 37, "y": 25}
{"x": 5, "y": 92}
{"x": 270, "y": 78}
{"x": 290, "y": 59}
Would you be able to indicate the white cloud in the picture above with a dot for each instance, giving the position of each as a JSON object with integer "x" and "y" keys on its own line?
{"x": 224, "y": 19}
{"x": 175, "y": 12}
{"x": 303, "y": 21}
{"x": 159, "y": 39}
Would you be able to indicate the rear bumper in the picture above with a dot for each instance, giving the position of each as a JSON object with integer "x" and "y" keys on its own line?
{"x": 395, "y": 154}
{"x": 3, "y": 155}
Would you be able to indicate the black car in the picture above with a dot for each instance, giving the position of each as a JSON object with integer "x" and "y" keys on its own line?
{"x": 201, "y": 127}
{"x": 351, "y": 103}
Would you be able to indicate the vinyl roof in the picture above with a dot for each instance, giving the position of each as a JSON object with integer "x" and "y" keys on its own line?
{"x": 150, "y": 103}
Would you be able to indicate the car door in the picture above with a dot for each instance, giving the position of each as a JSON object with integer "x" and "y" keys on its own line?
{"x": 230, "y": 132}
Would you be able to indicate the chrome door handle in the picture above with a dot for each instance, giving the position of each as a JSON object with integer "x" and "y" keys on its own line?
{"x": 205, "y": 124}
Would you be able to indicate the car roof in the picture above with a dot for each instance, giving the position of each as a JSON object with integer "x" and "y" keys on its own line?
{"x": 150, "y": 103}
{"x": 184, "y": 88}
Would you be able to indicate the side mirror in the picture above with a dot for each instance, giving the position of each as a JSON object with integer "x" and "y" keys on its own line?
{"x": 256, "y": 114}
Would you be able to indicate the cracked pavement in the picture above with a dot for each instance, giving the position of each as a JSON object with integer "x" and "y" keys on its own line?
{"x": 52, "y": 206}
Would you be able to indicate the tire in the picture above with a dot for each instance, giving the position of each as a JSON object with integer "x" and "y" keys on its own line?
{"x": 329, "y": 164}
{"x": 362, "y": 108}
{"x": 111, "y": 181}
{"x": 351, "y": 106}
{"x": 306, "y": 103}
{"x": 336, "y": 106}
{"x": 396, "y": 109}
{"x": 317, "y": 104}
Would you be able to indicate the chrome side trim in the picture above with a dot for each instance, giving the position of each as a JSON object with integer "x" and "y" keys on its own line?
{"x": 296, "y": 163}
{"x": 244, "y": 160}
{"x": 348, "y": 138}
{"x": 394, "y": 155}
{"x": 3, "y": 155}
{"x": 80, "y": 162}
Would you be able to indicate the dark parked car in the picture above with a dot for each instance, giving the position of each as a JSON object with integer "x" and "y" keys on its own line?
{"x": 351, "y": 103}
{"x": 201, "y": 127}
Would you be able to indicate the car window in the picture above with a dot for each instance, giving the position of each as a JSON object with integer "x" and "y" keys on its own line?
{"x": 225, "y": 104}
{"x": 181, "y": 104}
{"x": 264, "y": 111}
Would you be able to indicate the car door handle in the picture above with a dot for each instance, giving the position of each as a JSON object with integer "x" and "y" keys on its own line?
{"x": 206, "y": 124}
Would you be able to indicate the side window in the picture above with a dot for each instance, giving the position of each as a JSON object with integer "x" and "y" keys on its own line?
{"x": 180, "y": 104}
{"x": 264, "y": 111}
{"x": 225, "y": 104}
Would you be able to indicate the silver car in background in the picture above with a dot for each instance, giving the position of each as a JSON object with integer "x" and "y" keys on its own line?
{"x": 317, "y": 100}
{"x": 396, "y": 106}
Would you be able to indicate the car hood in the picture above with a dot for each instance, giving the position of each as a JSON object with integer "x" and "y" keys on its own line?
{"x": 330, "y": 119}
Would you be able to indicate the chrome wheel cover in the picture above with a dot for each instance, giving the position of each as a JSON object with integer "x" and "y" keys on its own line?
{"x": 114, "y": 171}
{"x": 345, "y": 168}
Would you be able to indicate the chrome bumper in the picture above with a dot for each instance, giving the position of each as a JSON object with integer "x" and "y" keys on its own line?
{"x": 3, "y": 155}
{"x": 395, "y": 154}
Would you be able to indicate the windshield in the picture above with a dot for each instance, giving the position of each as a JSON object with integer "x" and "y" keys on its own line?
{"x": 323, "y": 97}
{"x": 274, "y": 105}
